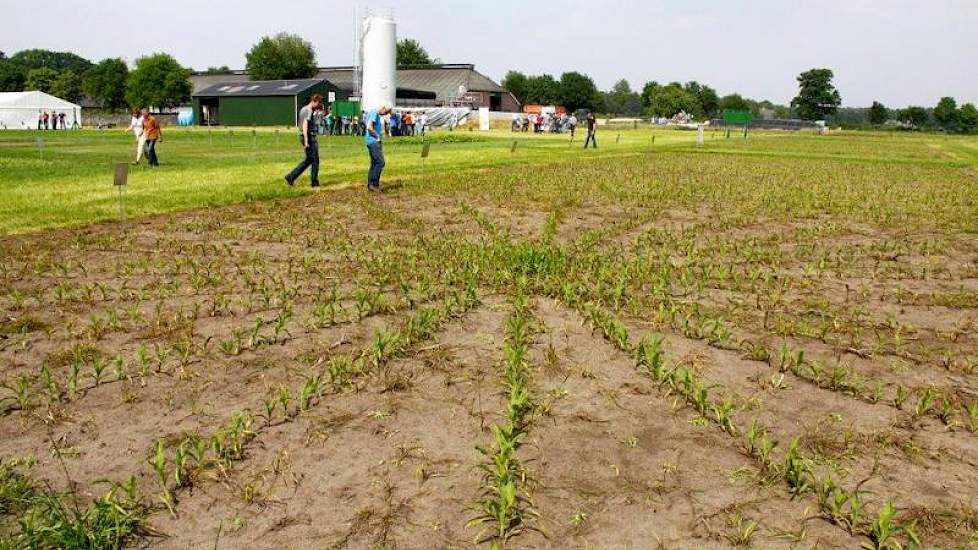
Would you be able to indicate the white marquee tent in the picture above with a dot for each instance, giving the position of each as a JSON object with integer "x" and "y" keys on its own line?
{"x": 19, "y": 110}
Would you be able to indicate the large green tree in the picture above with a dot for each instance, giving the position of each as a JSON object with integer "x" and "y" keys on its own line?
{"x": 58, "y": 61}
{"x": 12, "y": 76}
{"x": 577, "y": 91}
{"x": 411, "y": 52}
{"x": 67, "y": 85}
{"x": 915, "y": 117}
{"x": 946, "y": 113}
{"x": 706, "y": 100}
{"x": 542, "y": 90}
{"x": 106, "y": 83}
{"x": 158, "y": 81}
{"x": 280, "y": 57}
{"x": 648, "y": 93}
{"x": 968, "y": 118}
{"x": 668, "y": 100}
{"x": 734, "y": 102}
{"x": 878, "y": 113}
{"x": 621, "y": 100}
{"x": 817, "y": 97}
{"x": 516, "y": 83}
{"x": 40, "y": 79}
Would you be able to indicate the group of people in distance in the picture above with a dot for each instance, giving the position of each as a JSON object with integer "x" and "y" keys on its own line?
{"x": 52, "y": 120}
{"x": 147, "y": 131}
{"x": 555, "y": 123}
{"x": 370, "y": 125}
{"x": 406, "y": 124}
{"x": 329, "y": 123}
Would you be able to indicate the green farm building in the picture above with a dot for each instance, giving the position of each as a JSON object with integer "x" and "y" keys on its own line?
{"x": 259, "y": 102}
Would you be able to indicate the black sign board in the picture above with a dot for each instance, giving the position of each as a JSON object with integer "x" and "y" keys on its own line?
{"x": 513, "y": 149}
{"x": 121, "y": 173}
{"x": 425, "y": 149}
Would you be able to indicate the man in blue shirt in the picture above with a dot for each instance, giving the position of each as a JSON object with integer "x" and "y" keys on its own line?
{"x": 374, "y": 138}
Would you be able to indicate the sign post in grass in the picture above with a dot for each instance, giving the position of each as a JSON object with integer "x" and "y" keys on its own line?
{"x": 618, "y": 139}
{"x": 121, "y": 179}
{"x": 425, "y": 149}
{"x": 40, "y": 147}
{"x": 513, "y": 148}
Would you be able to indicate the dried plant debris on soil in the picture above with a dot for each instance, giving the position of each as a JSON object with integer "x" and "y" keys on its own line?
{"x": 675, "y": 350}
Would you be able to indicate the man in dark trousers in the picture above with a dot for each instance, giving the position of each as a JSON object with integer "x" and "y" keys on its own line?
{"x": 374, "y": 138}
{"x": 591, "y": 127}
{"x": 307, "y": 137}
{"x": 151, "y": 129}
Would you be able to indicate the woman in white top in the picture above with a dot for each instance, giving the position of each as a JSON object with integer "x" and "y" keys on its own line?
{"x": 422, "y": 123}
{"x": 136, "y": 125}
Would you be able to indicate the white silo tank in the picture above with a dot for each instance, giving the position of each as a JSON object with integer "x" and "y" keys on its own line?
{"x": 378, "y": 42}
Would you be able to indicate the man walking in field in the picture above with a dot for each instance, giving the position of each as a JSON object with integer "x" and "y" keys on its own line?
{"x": 374, "y": 138}
{"x": 153, "y": 133}
{"x": 591, "y": 138}
{"x": 307, "y": 137}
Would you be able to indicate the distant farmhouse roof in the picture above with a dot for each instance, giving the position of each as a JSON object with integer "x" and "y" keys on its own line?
{"x": 258, "y": 88}
{"x": 444, "y": 81}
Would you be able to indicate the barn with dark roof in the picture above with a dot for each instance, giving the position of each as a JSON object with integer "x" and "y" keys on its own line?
{"x": 257, "y": 102}
{"x": 446, "y": 85}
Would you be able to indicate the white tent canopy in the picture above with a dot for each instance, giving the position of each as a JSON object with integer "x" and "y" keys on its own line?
{"x": 20, "y": 109}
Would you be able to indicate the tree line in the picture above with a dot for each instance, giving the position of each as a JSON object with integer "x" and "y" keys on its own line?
{"x": 817, "y": 99}
{"x": 158, "y": 80}
{"x": 155, "y": 80}
{"x": 574, "y": 90}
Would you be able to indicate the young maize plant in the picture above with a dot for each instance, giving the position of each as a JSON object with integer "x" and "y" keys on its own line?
{"x": 723, "y": 411}
{"x": 925, "y": 403}
{"x": 502, "y": 504}
{"x": 158, "y": 462}
{"x": 884, "y": 532}
{"x": 649, "y": 355}
{"x": 759, "y": 445}
{"x": 797, "y": 472}
{"x": 972, "y": 411}
{"x": 612, "y": 329}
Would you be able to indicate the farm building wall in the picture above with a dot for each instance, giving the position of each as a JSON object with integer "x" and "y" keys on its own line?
{"x": 257, "y": 111}
{"x": 252, "y": 110}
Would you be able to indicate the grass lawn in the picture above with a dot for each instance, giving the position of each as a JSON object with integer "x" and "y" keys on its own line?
{"x": 72, "y": 183}
{"x": 69, "y": 182}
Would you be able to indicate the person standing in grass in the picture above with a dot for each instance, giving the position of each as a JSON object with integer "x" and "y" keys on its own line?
{"x": 422, "y": 123}
{"x": 153, "y": 133}
{"x": 591, "y": 128}
{"x": 307, "y": 137}
{"x": 136, "y": 125}
{"x": 374, "y": 138}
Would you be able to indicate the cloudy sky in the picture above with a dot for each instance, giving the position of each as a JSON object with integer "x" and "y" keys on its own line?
{"x": 897, "y": 51}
